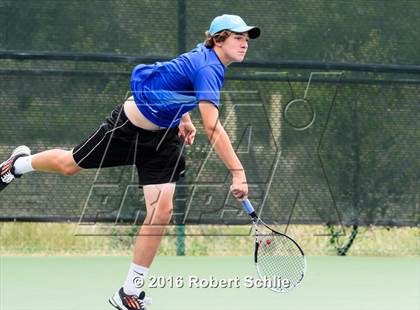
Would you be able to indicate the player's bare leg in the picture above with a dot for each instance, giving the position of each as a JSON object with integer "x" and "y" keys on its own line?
{"x": 55, "y": 160}
{"x": 21, "y": 161}
{"x": 159, "y": 206}
{"x": 159, "y": 212}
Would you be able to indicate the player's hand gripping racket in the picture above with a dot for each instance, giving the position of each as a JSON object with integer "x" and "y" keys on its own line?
{"x": 276, "y": 256}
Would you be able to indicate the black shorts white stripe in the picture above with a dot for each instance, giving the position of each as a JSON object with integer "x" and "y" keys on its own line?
{"x": 117, "y": 142}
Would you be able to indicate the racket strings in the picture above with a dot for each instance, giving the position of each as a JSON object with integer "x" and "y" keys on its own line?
{"x": 279, "y": 257}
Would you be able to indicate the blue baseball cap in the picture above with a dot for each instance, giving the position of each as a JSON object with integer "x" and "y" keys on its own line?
{"x": 233, "y": 23}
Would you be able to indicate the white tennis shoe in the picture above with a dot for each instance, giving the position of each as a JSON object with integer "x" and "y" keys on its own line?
{"x": 122, "y": 301}
{"x": 7, "y": 169}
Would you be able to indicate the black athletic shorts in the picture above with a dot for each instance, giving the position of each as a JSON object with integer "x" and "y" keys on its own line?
{"x": 117, "y": 142}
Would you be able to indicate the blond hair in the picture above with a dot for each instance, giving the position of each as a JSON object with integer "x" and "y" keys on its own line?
{"x": 221, "y": 36}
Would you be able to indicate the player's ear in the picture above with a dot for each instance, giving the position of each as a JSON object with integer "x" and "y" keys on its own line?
{"x": 218, "y": 43}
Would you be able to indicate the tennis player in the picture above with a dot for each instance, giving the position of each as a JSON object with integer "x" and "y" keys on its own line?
{"x": 148, "y": 130}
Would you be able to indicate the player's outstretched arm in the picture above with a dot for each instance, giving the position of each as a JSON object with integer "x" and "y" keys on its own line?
{"x": 223, "y": 148}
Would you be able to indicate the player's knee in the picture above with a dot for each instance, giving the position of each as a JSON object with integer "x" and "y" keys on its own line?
{"x": 70, "y": 171}
{"x": 164, "y": 212}
{"x": 67, "y": 165}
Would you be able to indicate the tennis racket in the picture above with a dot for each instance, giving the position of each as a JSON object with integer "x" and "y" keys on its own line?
{"x": 277, "y": 257}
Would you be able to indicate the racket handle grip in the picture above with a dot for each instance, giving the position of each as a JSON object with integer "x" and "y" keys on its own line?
{"x": 246, "y": 204}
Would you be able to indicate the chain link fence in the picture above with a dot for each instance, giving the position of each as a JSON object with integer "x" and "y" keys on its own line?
{"x": 317, "y": 147}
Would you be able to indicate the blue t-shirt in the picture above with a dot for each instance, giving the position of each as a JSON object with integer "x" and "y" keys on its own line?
{"x": 163, "y": 92}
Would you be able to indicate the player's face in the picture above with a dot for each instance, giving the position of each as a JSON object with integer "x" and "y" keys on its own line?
{"x": 235, "y": 46}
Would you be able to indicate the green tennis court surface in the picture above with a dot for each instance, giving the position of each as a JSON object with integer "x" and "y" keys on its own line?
{"x": 331, "y": 283}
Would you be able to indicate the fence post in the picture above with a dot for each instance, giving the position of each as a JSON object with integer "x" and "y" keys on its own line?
{"x": 180, "y": 203}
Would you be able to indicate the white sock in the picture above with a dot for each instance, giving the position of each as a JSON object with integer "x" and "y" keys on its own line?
{"x": 135, "y": 279}
{"x": 23, "y": 165}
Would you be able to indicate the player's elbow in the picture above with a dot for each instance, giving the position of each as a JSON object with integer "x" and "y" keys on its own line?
{"x": 213, "y": 130}
{"x": 210, "y": 129}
